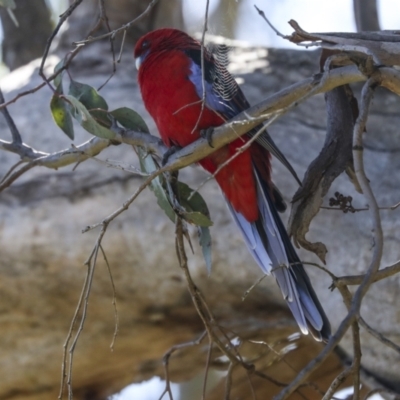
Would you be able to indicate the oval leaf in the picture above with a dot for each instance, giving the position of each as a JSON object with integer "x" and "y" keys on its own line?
{"x": 193, "y": 202}
{"x": 87, "y": 95}
{"x": 60, "y": 111}
{"x": 197, "y": 218}
{"x": 205, "y": 243}
{"x": 58, "y": 78}
{"x": 130, "y": 119}
{"x": 82, "y": 115}
{"x": 147, "y": 164}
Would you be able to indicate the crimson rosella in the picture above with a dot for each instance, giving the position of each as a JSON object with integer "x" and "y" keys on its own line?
{"x": 171, "y": 82}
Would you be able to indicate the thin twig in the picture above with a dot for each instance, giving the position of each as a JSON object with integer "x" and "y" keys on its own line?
{"x": 106, "y": 221}
{"x": 69, "y": 336}
{"x": 197, "y": 299}
{"x": 9, "y": 172}
{"x": 71, "y": 56}
{"x": 208, "y": 362}
{"x": 337, "y": 382}
{"x": 381, "y": 390}
{"x": 91, "y": 263}
{"x": 16, "y": 136}
{"x": 203, "y": 72}
{"x": 122, "y": 28}
{"x": 54, "y": 160}
{"x": 114, "y": 300}
{"x": 168, "y": 355}
{"x": 262, "y": 14}
{"x": 63, "y": 18}
{"x": 104, "y": 18}
{"x": 377, "y": 335}
{"x": 228, "y": 381}
{"x": 357, "y": 279}
{"x": 256, "y": 283}
{"x": 378, "y": 236}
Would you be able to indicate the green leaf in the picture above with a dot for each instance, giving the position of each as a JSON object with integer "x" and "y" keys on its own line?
{"x": 91, "y": 99}
{"x": 60, "y": 110}
{"x": 148, "y": 165}
{"x": 196, "y": 212}
{"x": 196, "y": 218}
{"x": 196, "y": 208}
{"x": 130, "y": 119}
{"x": 85, "y": 119}
{"x": 205, "y": 243}
{"x": 87, "y": 95}
{"x": 58, "y": 78}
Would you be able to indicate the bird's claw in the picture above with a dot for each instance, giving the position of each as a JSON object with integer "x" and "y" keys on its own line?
{"x": 168, "y": 154}
{"x": 207, "y": 134}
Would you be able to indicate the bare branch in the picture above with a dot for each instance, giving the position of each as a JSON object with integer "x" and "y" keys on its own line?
{"x": 378, "y": 238}
{"x": 10, "y": 122}
{"x": 382, "y": 47}
{"x": 199, "y": 149}
{"x": 357, "y": 279}
{"x": 263, "y": 16}
{"x": 61, "y": 21}
{"x": 377, "y": 335}
{"x": 114, "y": 300}
{"x": 55, "y": 160}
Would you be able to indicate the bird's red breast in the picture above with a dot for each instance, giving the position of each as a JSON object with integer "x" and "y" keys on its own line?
{"x": 171, "y": 99}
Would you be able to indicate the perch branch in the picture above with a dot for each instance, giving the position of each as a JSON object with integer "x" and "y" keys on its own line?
{"x": 223, "y": 134}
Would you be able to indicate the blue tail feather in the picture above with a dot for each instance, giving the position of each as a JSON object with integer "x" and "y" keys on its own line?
{"x": 273, "y": 251}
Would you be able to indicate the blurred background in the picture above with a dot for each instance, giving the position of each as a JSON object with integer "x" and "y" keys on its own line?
{"x": 232, "y": 19}
{"x": 236, "y": 19}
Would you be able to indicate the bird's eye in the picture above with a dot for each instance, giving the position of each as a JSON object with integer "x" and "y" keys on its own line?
{"x": 145, "y": 44}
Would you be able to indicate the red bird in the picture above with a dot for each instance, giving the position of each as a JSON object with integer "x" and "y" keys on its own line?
{"x": 171, "y": 81}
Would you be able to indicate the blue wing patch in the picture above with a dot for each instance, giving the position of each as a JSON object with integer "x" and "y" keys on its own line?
{"x": 223, "y": 95}
{"x": 214, "y": 100}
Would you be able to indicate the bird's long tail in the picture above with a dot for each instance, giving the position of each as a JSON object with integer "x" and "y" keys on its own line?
{"x": 271, "y": 247}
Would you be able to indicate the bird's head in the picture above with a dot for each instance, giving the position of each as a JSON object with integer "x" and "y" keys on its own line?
{"x": 161, "y": 40}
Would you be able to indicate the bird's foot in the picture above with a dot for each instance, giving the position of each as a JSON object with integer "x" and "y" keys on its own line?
{"x": 207, "y": 134}
{"x": 168, "y": 154}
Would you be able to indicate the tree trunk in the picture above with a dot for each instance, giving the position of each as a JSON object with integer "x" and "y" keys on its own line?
{"x": 366, "y": 15}
{"x": 120, "y": 12}
{"x": 223, "y": 21}
{"x": 26, "y": 42}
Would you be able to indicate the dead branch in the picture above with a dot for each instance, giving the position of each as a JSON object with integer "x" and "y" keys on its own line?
{"x": 357, "y": 279}
{"x": 334, "y": 158}
{"x": 383, "y": 47}
{"x": 359, "y": 128}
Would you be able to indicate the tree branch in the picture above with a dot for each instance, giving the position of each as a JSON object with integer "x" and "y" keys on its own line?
{"x": 378, "y": 238}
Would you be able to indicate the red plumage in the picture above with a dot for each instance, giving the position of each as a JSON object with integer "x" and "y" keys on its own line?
{"x": 172, "y": 86}
{"x": 171, "y": 99}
